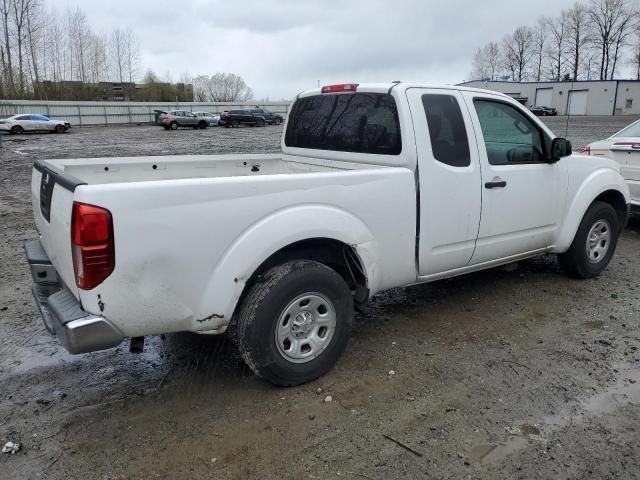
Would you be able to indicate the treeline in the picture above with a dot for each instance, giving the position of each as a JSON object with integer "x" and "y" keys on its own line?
{"x": 589, "y": 41}
{"x": 39, "y": 43}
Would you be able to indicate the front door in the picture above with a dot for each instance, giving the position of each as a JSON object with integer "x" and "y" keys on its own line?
{"x": 449, "y": 180}
{"x": 523, "y": 196}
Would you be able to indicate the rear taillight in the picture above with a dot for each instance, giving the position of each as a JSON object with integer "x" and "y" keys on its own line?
{"x": 341, "y": 88}
{"x": 587, "y": 150}
{"x": 163, "y": 117}
{"x": 92, "y": 245}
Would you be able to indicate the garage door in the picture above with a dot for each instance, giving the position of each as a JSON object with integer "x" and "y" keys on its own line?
{"x": 543, "y": 97}
{"x": 578, "y": 102}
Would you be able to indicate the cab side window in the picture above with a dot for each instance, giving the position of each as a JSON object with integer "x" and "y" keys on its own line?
{"x": 509, "y": 136}
{"x": 447, "y": 130}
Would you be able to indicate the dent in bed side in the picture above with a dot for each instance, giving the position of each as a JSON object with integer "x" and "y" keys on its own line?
{"x": 583, "y": 190}
{"x": 273, "y": 233}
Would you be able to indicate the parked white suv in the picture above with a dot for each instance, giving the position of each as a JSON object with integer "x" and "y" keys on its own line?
{"x": 377, "y": 186}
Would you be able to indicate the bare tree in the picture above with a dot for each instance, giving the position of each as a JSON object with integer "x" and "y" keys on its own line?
{"x": 634, "y": 61}
{"x": 7, "y": 65}
{"x": 493, "y": 58}
{"x": 612, "y": 22}
{"x": 518, "y": 52}
{"x": 480, "y": 66}
{"x": 577, "y": 37}
{"x": 132, "y": 53}
{"x": 540, "y": 44}
{"x": 117, "y": 54}
{"x": 221, "y": 87}
{"x": 557, "y": 45}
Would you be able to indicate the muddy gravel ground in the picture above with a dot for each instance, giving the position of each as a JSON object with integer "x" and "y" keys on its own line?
{"x": 514, "y": 372}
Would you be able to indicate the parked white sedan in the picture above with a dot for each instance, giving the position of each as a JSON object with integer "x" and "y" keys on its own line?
{"x": 624, "y": 148}
{"x": 32, "y": 122}
{"x": 211, "y": 118}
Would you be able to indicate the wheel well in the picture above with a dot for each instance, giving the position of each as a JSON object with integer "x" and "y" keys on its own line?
{"x": 334, "y": 254}
{"x": 617, "y": 201}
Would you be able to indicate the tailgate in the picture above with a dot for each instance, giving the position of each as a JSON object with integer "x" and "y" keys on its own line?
{"x": 52, "y": 200}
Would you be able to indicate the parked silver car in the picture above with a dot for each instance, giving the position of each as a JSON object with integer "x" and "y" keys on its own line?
{"x": 181, "y": 118}
{"x": 212, "y": 118}
{"x": 33, "y": 122}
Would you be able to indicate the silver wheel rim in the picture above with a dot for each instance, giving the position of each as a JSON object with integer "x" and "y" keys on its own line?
{"x": 305, "y": 327}
{"x": 598, "y": 241}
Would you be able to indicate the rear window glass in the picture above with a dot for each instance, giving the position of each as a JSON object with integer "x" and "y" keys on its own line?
{"x": 358, "y": 122}
{"x": 632, "y": 130}
{"x": 448, "y": 133}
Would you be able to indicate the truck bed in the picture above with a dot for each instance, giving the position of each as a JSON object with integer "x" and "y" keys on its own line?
{"x": 96, "y": 171}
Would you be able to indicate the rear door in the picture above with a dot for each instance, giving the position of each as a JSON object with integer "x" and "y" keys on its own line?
{"x": 449, "y": 180}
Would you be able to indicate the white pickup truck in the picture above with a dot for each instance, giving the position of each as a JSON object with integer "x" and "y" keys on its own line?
{"x": 377, "y": 186}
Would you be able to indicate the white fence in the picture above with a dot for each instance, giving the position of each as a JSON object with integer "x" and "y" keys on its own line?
{"x": 118, "y": 113}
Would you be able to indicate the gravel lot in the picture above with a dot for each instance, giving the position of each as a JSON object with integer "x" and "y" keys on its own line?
{"x": 509, "y": 373}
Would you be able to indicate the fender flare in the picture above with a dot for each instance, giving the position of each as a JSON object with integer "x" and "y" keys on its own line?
{"x": 268, "y": 236}
{"x": 594, "y": 185}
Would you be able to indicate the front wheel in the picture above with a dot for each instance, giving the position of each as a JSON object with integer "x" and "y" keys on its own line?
{"x": 17, "y": 130}
{"x": 295, "y": 322}
{"x": 594, "y": 244}
{"x": 173, "y": 125}
{"x": 60, "y": 129}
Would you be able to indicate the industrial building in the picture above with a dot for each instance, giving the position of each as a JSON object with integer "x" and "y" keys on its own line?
{"x": 581, "y": 97}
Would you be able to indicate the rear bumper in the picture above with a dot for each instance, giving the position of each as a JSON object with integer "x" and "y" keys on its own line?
{"x": 78, "y": 331}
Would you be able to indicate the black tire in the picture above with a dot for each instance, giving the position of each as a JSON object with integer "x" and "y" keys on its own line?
{"x": 202, "y": 125}
{"x": 173, "y": 125}
{"x": 263, "y": 307}
{"x": 60, "y": 129}
{"x": 576, "y": 261}
{"x": 235, "y": 123}
{"x": 260, "y": 123}
{"x": 17, "y": 130}
{"x": 277, "y": 121}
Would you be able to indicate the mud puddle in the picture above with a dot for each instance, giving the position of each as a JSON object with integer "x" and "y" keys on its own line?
{"x": 626, "y": 390}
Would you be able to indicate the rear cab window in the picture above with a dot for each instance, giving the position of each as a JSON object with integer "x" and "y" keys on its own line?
{"x": 447, "y": 130}
{"x": 355, "y": 122}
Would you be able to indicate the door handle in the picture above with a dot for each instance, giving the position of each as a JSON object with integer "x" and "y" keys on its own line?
{"x": 496, "y": 184}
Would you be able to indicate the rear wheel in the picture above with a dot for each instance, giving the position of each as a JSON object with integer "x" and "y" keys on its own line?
{"x": 17, "y": 130}
{"x": 277, "y": 121}
{"x": 594, "y": 244}
{"x": 260, "y": 122}
{"x": 202, "y": 125}
{"x": 235, "y": 123}
{"x": 174, "y": 125}
{"x": 295, "y": 322}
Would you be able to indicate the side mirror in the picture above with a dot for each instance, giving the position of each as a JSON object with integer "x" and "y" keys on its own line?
{"x": 560, "y": 147}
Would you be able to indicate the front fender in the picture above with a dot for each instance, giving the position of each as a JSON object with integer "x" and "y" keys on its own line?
{"x": 266, "y": 237}
{"x": 598, "y": 182}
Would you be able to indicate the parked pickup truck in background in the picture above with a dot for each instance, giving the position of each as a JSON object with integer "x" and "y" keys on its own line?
{"x": 377, "y": 186}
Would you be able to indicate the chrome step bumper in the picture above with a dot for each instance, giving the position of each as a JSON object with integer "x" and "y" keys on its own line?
{"x": 63, "y": 316}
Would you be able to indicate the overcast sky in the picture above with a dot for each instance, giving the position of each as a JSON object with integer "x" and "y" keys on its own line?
{"x": 281, "y": 47}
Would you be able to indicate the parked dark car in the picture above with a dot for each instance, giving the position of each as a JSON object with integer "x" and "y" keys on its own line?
{"x": 541, "y": 111}
{"x": 235, "y": 118}
{"x": 270, "y": 117}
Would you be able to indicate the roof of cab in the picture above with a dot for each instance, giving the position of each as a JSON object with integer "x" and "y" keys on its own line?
{"x": 402, "y": 86}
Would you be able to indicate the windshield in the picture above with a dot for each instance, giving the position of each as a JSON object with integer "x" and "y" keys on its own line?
{"x": 632, "y": 130}
{"x": 359, "y": 122}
